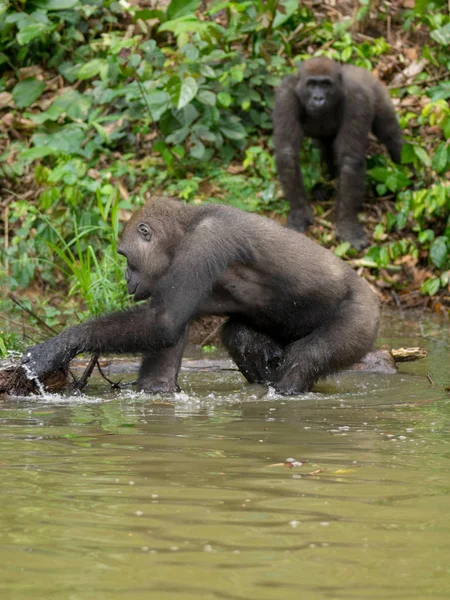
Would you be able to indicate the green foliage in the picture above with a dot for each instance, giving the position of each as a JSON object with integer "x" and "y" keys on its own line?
{"x": 95, "y": 275}
{"x": 179, "y": 101}
{"x": 10, "y": 343}
{"x": 27, "y": 91}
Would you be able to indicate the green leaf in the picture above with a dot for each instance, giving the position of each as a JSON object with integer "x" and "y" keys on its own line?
{"x": 187, "y": 92}
{"x": 55, "y": 4}
{"x": 379, "y": 174}
{"x": 71, "y": 102}
{"x": 391, "y": 183}
{"x": 225, "y": 99}
{"x": 158, "y": 102}
{"x": 402, "y": 219}
{"x": 439, "y": 162}
{"x": 446, "y": 128}
{"x": 342, "y": 249}
{"x": 35, "y": 153}
{"x": 134, "y": 60}
{"x": 32, "y": 31}
{"x": 439, "y": 254}
{"x": 408, "y": 154}
{"x": 204, "y": 132}
{"x": 197, "y": 150}
{"x": 173, "y": 88}
{"x": 26, "y": 92}
{"x": 427, "y": 236}
{"x": 422, "y": 155}
{"x": 181, "y": 8}
{"x": 440, "y": 91}
{"x": 347, "y": 54}
{"x": 233, "y": 130}
{"x": 431, "y": 286}
{"x": 67, "y": 140}
{"x": 207, "y": 71}
{"x": 91, "y": 68}
{"x": 442, "y": 35}
{"x": 206, "y": 97}
{"x": 189, "y": 25}
{"x": 147, "y": 13}
{"x": 187, "y": 115}
{"x": 289, "y": 7}
{"x": 178, "y": 136}
{"x": 191, "y": 52}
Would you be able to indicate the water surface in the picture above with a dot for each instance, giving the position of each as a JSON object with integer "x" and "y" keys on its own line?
{"x": 123, "y": 496}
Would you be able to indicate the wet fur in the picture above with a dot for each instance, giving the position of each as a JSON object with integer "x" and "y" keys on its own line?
{"x": 296, "y": 311}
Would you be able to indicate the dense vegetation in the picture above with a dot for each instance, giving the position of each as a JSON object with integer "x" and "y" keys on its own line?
{"x": 105, "y": 102}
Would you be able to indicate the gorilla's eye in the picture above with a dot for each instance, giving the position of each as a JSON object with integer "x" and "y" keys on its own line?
{"x": 144, "y": 231}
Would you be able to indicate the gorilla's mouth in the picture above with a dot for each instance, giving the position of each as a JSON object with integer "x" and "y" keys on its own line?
{"x": 140, "y": 294}
{"x": 314, "y": 109}
{"x": 132, "y": 288}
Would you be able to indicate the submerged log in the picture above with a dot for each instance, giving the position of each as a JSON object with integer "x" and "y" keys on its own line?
{"x": 14, "y": 380}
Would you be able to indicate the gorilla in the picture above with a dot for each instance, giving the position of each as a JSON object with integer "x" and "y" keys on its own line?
{"x": 336, "y": 105}
{"x": 295, "y": 311}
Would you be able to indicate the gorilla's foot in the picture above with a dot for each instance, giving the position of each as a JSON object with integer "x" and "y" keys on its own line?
{"x": 299, "y": 219}
{"x": 353, "y": 232}
{"x": 158, "y": 387}
{"x": 289, "y": 388}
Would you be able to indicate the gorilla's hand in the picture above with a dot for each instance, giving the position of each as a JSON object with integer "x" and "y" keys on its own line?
{"x": 49, "y": 356}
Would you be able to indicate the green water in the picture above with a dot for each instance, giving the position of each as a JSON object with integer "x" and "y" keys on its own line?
{"x": 121, "y": 496}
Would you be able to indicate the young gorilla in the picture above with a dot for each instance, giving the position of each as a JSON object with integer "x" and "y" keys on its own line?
{"x": 296, "y": 312}
{"x": 336, "y": 105}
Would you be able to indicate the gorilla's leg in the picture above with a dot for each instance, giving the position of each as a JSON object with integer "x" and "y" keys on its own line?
{"x": 159, "y": 370}
{"x": 334, "y": 346}
{"x": 257, "y": 355}
{"x": 287, "y": 137}
{"x": 350, "y": 199}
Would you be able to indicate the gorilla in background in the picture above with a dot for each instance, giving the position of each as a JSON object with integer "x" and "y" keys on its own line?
{"x": 296, "y": 311}
{"x": 336, "y": 105}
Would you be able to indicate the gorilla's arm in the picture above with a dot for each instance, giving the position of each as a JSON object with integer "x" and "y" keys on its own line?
{"x": 288, "y": 137}
{"x": 201, "y": 258}
{"x": 386, "y": 127}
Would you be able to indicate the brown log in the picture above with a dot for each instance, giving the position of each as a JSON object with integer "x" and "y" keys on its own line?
{"x": 407, "y": 354}
{"x": 14, "y": 380}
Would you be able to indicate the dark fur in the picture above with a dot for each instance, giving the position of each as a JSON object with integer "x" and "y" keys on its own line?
{"x": 296, "y": 312}
{"x": 336, "y": 105}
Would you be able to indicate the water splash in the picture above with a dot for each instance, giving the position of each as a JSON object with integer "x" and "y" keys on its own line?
{"x": 32, "y": 377}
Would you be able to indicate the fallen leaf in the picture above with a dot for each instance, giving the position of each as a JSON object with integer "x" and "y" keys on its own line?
{"x": 6, "y": 99}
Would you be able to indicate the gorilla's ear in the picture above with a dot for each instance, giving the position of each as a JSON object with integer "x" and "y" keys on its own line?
{"x": 144, "y": 231}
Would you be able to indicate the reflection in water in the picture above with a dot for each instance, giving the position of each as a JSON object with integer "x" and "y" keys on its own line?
{"x": 129, "y": 497}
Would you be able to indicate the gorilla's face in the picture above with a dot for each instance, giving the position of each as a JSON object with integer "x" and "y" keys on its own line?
{"x": 147, "y": 243}
{"x": 319, "y": 89}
